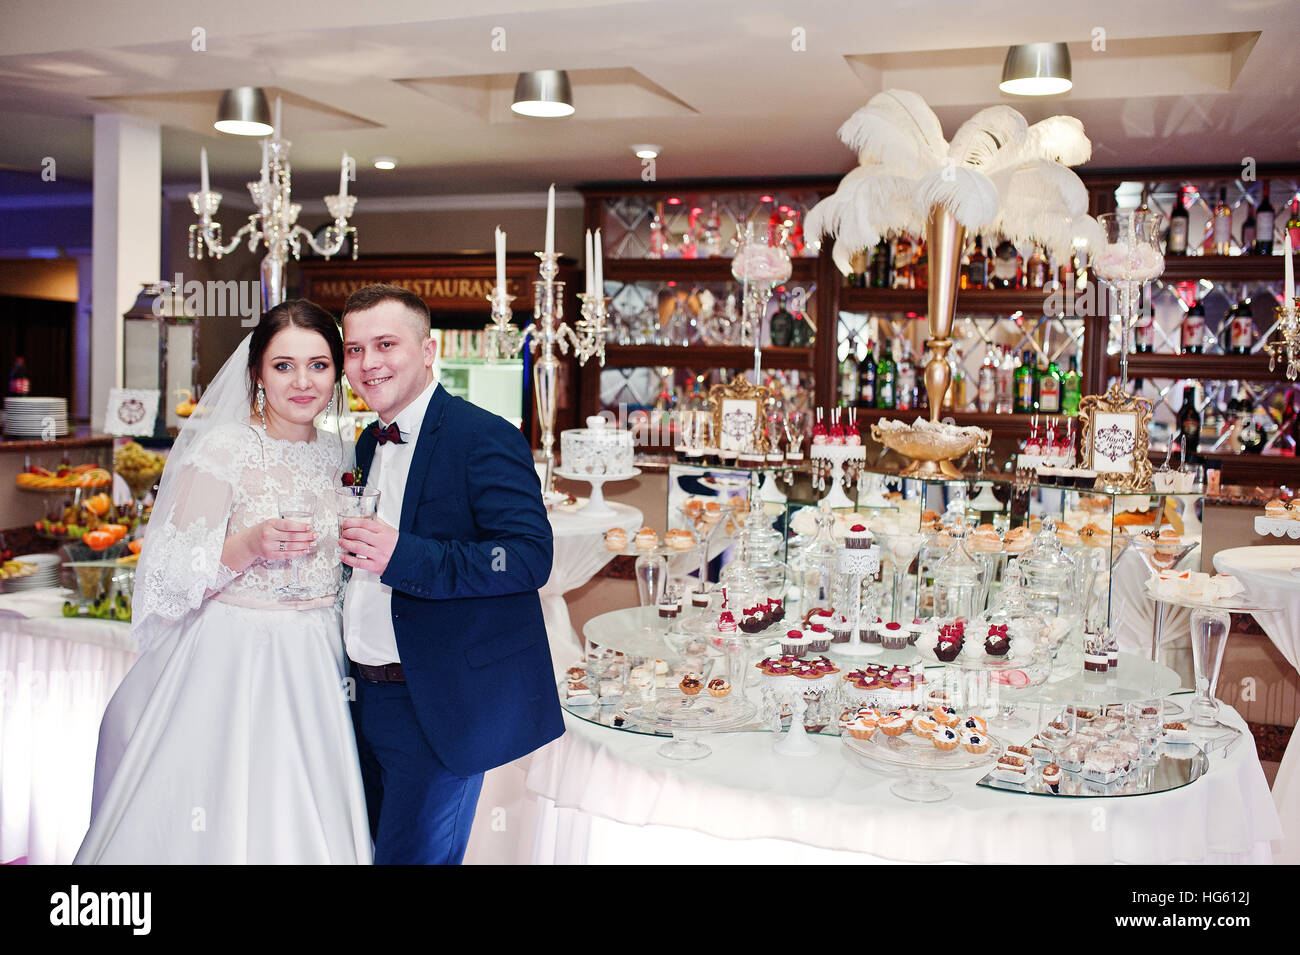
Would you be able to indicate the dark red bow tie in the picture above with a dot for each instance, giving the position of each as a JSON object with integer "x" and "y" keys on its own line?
{"x": 384, "y": 435}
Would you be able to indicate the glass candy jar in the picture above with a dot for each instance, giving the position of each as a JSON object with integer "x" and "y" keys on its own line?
{"x": 1050, "y": 580}
{"x": 813, "y": 568}
{"x": 957, "y": 579}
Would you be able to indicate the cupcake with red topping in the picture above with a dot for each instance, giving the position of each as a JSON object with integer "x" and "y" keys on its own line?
{"x": 857, "y": 537}
{"x": 794, "y": 643}
{"x": 818, "y": 637}
{"x": 893, "y": 636}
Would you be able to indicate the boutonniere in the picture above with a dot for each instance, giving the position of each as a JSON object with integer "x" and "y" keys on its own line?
{"x": 354, "y": 478}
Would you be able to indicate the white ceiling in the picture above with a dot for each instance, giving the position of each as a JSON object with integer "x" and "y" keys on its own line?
{"x": 718, "y": 84}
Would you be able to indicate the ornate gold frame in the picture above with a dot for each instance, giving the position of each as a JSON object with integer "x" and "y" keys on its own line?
{"x": 1117, "y": 401}
{"x": 741, "y": 389}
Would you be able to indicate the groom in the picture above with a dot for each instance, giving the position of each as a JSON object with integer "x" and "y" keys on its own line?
{"x": 441, "y": 617}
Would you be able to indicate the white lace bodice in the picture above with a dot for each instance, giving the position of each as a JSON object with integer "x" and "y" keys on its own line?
{"x": 233, "y": 481}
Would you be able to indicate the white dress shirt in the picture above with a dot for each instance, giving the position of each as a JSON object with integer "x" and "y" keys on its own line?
{"x": 368, "y": 603}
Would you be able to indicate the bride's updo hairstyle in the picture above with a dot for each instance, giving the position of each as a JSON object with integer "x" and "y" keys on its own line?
{"x": 295, "y": 313}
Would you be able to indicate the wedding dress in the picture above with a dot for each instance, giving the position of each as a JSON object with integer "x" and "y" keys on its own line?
{"x": 230, "y": 739}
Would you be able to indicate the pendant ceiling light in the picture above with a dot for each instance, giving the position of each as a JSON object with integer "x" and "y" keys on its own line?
{"x": 544, "y": 93}
{"x": 1036, "y": 69}
{"x": 244, "y": 112}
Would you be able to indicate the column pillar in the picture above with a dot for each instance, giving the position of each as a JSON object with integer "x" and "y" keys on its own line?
{"x": 127, "y": 240}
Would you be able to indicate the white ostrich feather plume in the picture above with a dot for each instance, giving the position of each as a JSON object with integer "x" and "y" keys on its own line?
{"x": 998, "y": 176}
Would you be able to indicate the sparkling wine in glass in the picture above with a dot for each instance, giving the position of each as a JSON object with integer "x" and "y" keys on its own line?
{"x": 299, "y": 508}
{"x": 355, "y": 501}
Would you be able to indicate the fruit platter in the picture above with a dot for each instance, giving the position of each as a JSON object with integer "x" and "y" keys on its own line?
{"x": 63, "y": 477}
{"x": 88, "y": 518}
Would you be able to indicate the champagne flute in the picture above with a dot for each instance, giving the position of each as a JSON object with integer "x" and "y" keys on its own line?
{"x": 301, "y": 508}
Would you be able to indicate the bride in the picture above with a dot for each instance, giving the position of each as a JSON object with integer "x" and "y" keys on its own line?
{"x": 229, "y": 741}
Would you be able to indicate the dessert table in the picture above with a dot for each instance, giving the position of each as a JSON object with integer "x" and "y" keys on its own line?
{"x": 579, "y": 553}
{"x": 1267, "y": 574}
{"x": 603, "y": 795}
{"x": 56, "y": 677}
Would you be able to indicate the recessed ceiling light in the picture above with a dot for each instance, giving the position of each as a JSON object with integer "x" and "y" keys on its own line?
{"x": 1036, "y": 69}
{"x": 646, "y": 150}
{"x": 543, "y": 93}
{"x": 244, "y": 112}
{"x": 385, "y": 162}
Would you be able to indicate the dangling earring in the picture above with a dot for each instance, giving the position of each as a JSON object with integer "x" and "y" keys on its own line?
{"x": 261, "y": 404}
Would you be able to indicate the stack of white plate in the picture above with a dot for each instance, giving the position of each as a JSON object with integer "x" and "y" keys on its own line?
{"x": 29, "y": 417}
{"x": 47, "y": 573}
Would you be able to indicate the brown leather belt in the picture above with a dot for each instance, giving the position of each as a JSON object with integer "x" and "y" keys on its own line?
{"x": 388, "y": 673}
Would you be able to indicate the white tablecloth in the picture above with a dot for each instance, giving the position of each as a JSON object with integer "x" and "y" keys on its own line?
{"x": 1266, "y": 574}
{"x": 607, "y": 796}
{"x": 579, "y": 553}
{"x": 56, "y": 678}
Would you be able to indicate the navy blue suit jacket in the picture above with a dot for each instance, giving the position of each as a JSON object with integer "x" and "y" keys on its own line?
{"x": 474, "y": 547}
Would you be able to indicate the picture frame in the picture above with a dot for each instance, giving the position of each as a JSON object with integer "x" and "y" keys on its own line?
{"x": 1115, "y": 438}
{"x": 738, "y": 415}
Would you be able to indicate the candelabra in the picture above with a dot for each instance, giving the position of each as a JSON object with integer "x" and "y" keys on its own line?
{"x": 548, "y": 333}
{"x": 1288, "y": 347}
{"x": 274, "y": 224}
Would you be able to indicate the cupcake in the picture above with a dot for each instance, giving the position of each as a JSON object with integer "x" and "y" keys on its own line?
{"x": 794, "y": 643}
{"x": 822, "y": 617}
{"x": 616, "y": 539}
{"x": 1052, "y": 777}
{"x": 857, "y": 537}
{"x": 893, "y": 636}
{"x": 718, "y": 687}
{"x": 841, "y": 630}
{"x": 691, "y": 684}
{"x": 996, "y": 644}
{"x": 862, "y": 728}
{"x": 871, "y": 632}
{"x": 818, "y": 637}
{"x": 974, "y": 724}
{"x": 945, "y": 738}
{"x": 894, "y": 725}
{"x": 975, "y": 742}
{"x": 947, "y": 649}
{"x": 646, "y": 539}
{"x": 914, "y": 631}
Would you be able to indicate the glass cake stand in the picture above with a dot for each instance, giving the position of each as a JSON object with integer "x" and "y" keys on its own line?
{"x": 596, "y": 506}
{"x": 920, "y": 762}
{"x": 687, "y": 717}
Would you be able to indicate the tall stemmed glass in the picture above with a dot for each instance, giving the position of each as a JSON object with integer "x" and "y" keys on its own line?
{"x": 1130, "y": 259}
{"x": 1209, "y": 639}
{"x": 301, "y": 508}
{"x": 903, "y": 549}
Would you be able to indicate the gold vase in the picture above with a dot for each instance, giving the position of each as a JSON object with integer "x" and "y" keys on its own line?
{"x": 945, "y": 238}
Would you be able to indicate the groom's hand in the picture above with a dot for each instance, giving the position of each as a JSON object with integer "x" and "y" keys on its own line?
{"x": 368, "y": 543}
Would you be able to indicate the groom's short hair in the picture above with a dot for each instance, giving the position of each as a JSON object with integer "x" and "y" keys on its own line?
{"x": 372, "y": 295}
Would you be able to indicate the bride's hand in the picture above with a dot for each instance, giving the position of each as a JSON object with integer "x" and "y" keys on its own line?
{"x": 274, "y": 539}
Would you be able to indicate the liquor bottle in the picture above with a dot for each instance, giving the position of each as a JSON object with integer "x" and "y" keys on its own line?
{"x": 1248, "y": 231}
{"x": 848, "y": 376}
{"x": 1222, "y": 224}
{"x": 1189, "y": 425}
{"x": 780, "y": 327}
{"x": 1144, "y": 330}
{"x": 1176, "y": 243}
{"x": 886, "y": 378}
{"x": 867, "y": 379}
{"x": 690, "y": 244}
{"x": 979, "y": 266}
{"x": 1024, "y": 399}
{"x": 1293, "y": 223}
{"x": 711, "y": 237}
{"x": 882, "y": 266}
{"x": 801, "y": 330}
{"x": 903, "y": 262}
{"x": 1192, "y": 334}
{"x": 1049, "y": 390}
{"x": 1007, "y": 271}
{"x": 658, "y": 239}
{"x": 1071, "y": 387}
{"x": 986, "y": 389}
{"x": 921, "y": 265}
{"x": 905, "y": 383}
{"x": 955, "y": 396}
{"x": 1005, "y": 383}
{"x": 859, "y": 270}
{"x": 1037, "y": 270}
{"x": 1265, "y": 220}
{"x": 19, "y": 383}
{"x": 1241, "y": 331}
